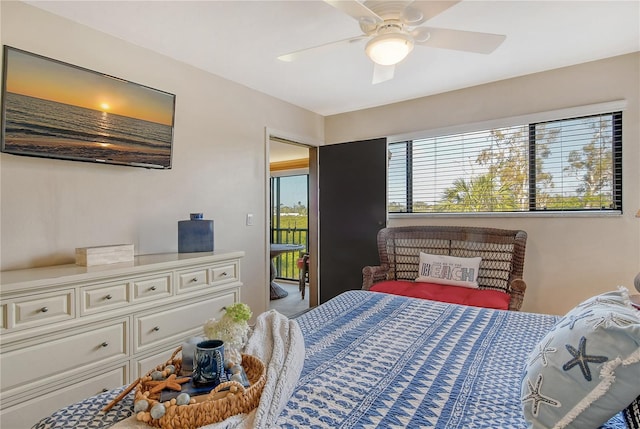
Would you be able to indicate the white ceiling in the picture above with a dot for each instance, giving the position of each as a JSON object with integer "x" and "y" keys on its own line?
{"x": 241, "y": 40}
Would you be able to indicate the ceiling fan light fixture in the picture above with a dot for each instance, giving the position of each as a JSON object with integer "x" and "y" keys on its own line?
{"x": 389, "y": 48}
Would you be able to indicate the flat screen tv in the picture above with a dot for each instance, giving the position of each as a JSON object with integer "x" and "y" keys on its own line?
{"x": 57, "y": 110}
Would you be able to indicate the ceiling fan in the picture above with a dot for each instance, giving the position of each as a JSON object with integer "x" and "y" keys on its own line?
{"x": 392, "y": 28}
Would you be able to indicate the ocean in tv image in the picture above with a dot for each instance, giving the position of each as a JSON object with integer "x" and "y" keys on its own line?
{"x": 48, "y": 128}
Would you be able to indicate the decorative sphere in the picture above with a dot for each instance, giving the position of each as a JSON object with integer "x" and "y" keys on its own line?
{"x": 157, "y": 376}
{"x": 157, "y": 411}
{"x": 170, "y": 369}
{"x": 183, "y": 399}
{"x": 236, "y": 377}
{"x": 141, "y": 405}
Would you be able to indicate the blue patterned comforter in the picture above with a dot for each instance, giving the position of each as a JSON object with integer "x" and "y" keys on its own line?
{"x": 381, "y": 361}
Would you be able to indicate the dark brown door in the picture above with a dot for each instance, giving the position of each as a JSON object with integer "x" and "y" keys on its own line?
{"x": 352, "y": 205}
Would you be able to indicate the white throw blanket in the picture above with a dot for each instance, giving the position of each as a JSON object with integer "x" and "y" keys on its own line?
{"x": 278, "y": 342}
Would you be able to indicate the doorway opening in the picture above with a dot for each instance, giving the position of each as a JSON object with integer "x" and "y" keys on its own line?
{"x": 292, "y": 235}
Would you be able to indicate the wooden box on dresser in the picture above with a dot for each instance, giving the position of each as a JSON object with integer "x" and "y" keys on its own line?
{"x": 68, "y": 332}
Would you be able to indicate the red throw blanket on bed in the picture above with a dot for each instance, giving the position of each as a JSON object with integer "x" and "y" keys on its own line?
{"x": 445, "y": 293}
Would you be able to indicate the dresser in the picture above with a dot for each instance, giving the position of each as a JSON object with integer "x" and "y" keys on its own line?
{"x": 68, "y": 332}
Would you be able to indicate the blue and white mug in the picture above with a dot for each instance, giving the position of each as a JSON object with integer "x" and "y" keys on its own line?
{"x": 208, "y": 363}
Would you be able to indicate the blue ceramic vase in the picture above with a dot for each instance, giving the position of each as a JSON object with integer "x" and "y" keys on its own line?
{"x": 195, "y": 235}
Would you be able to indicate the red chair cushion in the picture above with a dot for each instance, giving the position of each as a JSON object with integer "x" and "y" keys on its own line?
{"x": 445, "y": 293}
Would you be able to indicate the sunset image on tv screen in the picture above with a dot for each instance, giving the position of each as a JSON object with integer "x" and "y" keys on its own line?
{"x": 58, "y": 110}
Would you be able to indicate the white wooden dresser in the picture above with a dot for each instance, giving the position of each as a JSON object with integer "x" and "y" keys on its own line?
{"x": 68, "y": 332}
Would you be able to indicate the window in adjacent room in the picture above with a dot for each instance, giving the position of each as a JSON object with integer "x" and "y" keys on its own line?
{"x": 562, "y": 165}
{"x": 289, "y": 220}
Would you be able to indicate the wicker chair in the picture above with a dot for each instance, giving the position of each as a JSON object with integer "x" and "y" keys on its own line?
{"x": 502, "y": 252}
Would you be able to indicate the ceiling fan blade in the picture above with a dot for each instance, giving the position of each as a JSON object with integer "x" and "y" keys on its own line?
{"x": 468, "y": 41}
{"x": 429, "y": 9}
{"x": 354, "y": 9}
{"x": 292, "y": 56}
{"x": 382, "y": 73}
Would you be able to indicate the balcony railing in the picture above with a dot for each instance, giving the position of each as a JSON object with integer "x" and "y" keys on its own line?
{"x": 286, "y": 263}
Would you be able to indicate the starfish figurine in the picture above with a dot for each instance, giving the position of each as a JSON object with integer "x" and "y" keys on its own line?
{"x": 171, "y": 383}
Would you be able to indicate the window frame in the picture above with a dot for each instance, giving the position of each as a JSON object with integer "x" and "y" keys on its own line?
{"x": 615, "y": 108}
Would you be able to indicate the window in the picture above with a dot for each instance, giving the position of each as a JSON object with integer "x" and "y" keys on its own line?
{"x": 289, "y": 220}
{"x": 563, "y": 165}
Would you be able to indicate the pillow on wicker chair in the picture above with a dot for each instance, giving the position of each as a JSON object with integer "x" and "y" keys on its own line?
{"x": 449, "y": 270}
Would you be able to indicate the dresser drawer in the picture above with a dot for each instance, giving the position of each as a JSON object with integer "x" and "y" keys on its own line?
{"x": 193, "y": 280}
{"x": 202, "y": 278}
{"x": 177, "y": 324}
{"x": 152, "y": 288}
{"x": 224, "y": 274}
{"x": 46, "y": 308}
{"x": 27, "y": 413}
{"x": 104, "y": 297}
{"x": 58, "y": 355}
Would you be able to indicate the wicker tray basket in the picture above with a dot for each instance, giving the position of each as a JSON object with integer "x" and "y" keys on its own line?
{"x": 227, "y": 399}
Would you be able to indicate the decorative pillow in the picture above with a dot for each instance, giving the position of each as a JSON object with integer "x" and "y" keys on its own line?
{"x": 587, "y": 368}
{"x": 445, "y": 293}
{"x": 632, "y": 414}
{"x": 448, "y": 270}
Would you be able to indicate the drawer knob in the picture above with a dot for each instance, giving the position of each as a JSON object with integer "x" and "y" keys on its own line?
{"x": 105, "y": 344}
{"x": 156, "y": 329}
{"x": 44, "y": 309}
{"x": 223, "y": 274}
{"x": 104, "y": 389}
{"x": 193, "y": 280}
{"x": 152, "y": 288}
{"x": 108, "y": 297}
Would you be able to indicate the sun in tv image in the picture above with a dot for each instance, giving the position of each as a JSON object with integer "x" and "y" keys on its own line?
{"x": 57, "y": 110}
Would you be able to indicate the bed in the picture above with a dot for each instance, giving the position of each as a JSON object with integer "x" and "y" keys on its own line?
{"x": 379, "y": 360}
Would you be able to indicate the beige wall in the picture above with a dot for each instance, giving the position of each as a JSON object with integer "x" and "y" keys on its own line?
{"x": 50, "y": 207}
{"x": 568, "y": 258}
